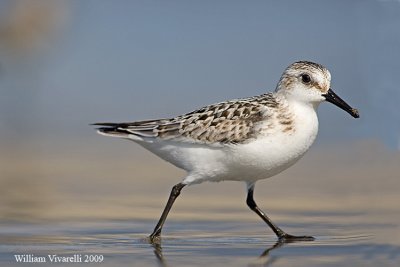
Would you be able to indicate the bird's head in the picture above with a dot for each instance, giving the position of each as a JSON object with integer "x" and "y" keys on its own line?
{"x": 310, "y": 82}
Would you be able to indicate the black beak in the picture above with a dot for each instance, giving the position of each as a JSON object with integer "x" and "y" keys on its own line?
{"x": 336, "y": 100}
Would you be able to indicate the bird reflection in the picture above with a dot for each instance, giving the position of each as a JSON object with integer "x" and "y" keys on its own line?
{"x": 158, "y": 252}
{"x": 263, "y": 260}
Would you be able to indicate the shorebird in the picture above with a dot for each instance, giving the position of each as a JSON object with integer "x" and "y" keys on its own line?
{"x": 246, "y": 139}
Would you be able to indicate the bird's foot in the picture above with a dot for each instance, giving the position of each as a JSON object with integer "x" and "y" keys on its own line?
{"x": 153, "y": 239}
{"x": 293, "y": 238}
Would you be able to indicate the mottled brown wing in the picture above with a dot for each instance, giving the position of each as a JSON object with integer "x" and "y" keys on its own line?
{"x": 227, "y": 122}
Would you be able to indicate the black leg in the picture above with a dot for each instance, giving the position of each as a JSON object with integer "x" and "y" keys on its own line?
{"x": 282, "y": 235}
{"x": 176, "y": 190}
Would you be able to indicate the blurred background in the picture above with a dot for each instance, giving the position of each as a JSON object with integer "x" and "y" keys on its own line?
{"x": 66, "y": 64}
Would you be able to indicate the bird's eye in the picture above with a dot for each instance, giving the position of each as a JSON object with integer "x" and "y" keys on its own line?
{"x": 305, "y": 78}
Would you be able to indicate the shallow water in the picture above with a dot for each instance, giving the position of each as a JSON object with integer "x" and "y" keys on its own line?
{"x": 189, "y": 243}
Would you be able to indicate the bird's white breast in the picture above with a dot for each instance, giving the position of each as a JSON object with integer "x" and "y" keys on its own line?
{"x": 278, "y": 150}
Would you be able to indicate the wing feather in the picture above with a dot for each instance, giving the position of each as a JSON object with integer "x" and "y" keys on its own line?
{"x": 227, "y": 122}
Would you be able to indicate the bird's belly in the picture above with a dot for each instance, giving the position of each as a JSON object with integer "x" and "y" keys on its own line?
{"x": 197, "y": 159}
{"x": 268, "y": 160}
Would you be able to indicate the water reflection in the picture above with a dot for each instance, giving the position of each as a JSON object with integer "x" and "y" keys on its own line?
{"x": 212, "y": 244}
{"x": 159, "y": 255}
{"x": 265, "y": 259}
{"x": 357, "y": 250}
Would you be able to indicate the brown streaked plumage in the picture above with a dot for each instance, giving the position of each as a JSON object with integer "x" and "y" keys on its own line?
{"x": 230, "y": 122}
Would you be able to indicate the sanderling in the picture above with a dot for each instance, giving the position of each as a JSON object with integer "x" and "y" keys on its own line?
{"x": 245, "y": 139}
